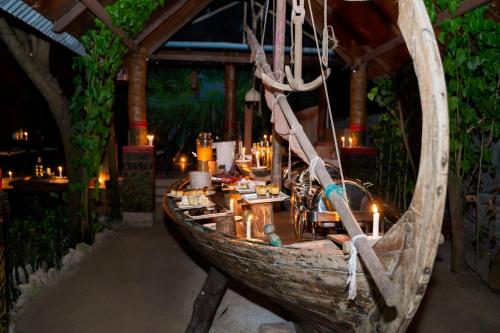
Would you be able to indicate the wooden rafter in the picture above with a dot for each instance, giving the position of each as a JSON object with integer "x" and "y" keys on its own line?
{"x": 172, "y": 7}
{"x": 98, "y": 10}
{"x": 168, "y": 27}
{"x": 217, "y": 56}
{"x": 62, "y": 23}
{"x": 386, "y": 47}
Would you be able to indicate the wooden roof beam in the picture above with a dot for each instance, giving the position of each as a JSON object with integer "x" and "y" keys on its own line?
{"x": 461, "y": 10}
{"x": 64, "y": 21}
{"x": 172, "y": 8}
{"x": 168, "y": 27}
{"x": 98, "y": 10}
{"x": 217, "y": 56}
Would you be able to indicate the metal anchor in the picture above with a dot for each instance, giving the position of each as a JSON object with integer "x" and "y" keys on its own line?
{"x": 295, "y": 82}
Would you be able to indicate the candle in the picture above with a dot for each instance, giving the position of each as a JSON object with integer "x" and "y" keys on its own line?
{"x": 150, "y": 139}
{"x": 257, "y": 158}
{"x": 265, "y": 137}
{"x": 271, "y": 138}
{"x": 231, "y": 205}
{"x": 343, "y": 141}
{"x": 350, "y": 142}
{"x": 60, "y": 171}
{"x": 49, "y": 172}
{"x": 376, "y": 217}
{"x": 243, "y": 153}
{"x": 10, "y": 174}
{"x": 249, "y": 226}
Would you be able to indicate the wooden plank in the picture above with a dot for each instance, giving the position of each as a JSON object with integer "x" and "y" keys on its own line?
{"x": 69, "y": 17}
{"x": 169, "y": 27}
{"x": 98, "y": 10}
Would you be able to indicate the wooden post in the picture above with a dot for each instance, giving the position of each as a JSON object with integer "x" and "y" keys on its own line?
{"x": 225, "y": 225}
{"x": 322, "y": 109}
{"x": 248, "y": 129}
{"x": 357, "y": 114}
{"x": 230, "y": 102}
{"x": 279, "y": 67}
{"x": 262, "y": 214}
{"x": 206, "y": 303}
{"x": 137, "y": 98}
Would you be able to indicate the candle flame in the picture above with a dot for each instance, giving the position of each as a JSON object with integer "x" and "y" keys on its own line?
{"x": 59, "y": 168}
{"x": 249, "y": 219}
{"x": 183, "y": 159}
{"x": 375, "y": 209}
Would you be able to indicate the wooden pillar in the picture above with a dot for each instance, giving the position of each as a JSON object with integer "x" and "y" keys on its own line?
{"x": 322, "y": 111}
{"x": 247, "y": 140}
{"x": 137, "y": 98}
{"x": 357, "y": 114}
{"x": 230, "y": 102}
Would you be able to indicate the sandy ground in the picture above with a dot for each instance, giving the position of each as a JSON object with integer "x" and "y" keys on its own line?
{"x": 143, "y": 280}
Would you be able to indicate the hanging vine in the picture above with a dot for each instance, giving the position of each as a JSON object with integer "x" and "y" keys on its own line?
{"x": 91, "y": 106}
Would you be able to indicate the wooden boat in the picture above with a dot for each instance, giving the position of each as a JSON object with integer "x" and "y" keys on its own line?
{"x": 310, "y": 280}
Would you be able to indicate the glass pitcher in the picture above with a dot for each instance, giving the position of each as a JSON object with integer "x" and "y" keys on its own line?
{"x": 204, "y": 146}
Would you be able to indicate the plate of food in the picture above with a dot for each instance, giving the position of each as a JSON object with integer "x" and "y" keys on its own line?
{"x": 190, "y": 192}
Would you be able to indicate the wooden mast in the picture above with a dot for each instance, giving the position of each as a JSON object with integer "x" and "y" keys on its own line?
{"x": 377, "y": 271}
{"x": 279, "y": 67}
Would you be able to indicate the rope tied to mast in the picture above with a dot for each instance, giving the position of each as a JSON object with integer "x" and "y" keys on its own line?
{"x": 312, "y": 170}
{"x": 352, "y": 266}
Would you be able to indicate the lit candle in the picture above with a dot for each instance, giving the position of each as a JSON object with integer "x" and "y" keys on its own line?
{"x": 26, "y": 136}
{"x": 257, "y": 158}
{"x": 350, "y": 142}
{"x": 265, "y": 137}
{"x": 231, "y": 205}
{"x": 270, "y": 138}
{"x": 150, "y": 139}
{"x": 249, "y": 226}
{"x": 343, "y": 141}
{"x": 243, "y": 153}
{"x": 376, "y": 217}
{"x": 49, "y": 172}
{"x": 10, "y": 174}
{"x": 60, "y": 171}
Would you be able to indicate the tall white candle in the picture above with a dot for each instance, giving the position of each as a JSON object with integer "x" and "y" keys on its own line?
{"x": 60, "y": 171}
{"x": 350, "y": 142}
{"x": 249, "y": 227}
{"x": 231, "y": 205}
{"x": 10, "y": 174}
{"x": 376, "y": 217}
{"x": 343, "y": 141}
{"x": 257, "y": 158}
{"x": 243, "y": 153}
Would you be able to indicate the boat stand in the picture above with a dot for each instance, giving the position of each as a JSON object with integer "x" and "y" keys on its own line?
{"x": 207, "y": 302}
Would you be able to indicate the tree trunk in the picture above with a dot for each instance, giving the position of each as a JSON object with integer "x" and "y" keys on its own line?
{"x": 32, "y": 54}
{"x": 455, "y": 205}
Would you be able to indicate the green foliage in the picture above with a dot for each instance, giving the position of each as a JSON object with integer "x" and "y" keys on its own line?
{"x": 92, "y": 103}
{"x": 95, "y": 86}
{"x": 470, "y": 60}
{"x": 395, "y": 179}
{"x": 179, "y": 113}
{"x": 39, "y": 237}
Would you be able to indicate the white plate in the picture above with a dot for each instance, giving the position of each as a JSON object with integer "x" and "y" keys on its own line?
{"x": 245, "y": 190}
{"x": 258, "y": 168}
{"x": 253, "y": 198}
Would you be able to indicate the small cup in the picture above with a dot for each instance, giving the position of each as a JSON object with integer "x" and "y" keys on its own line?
{"x": 261, "y": 191}
{"x": 274, "y": 190}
